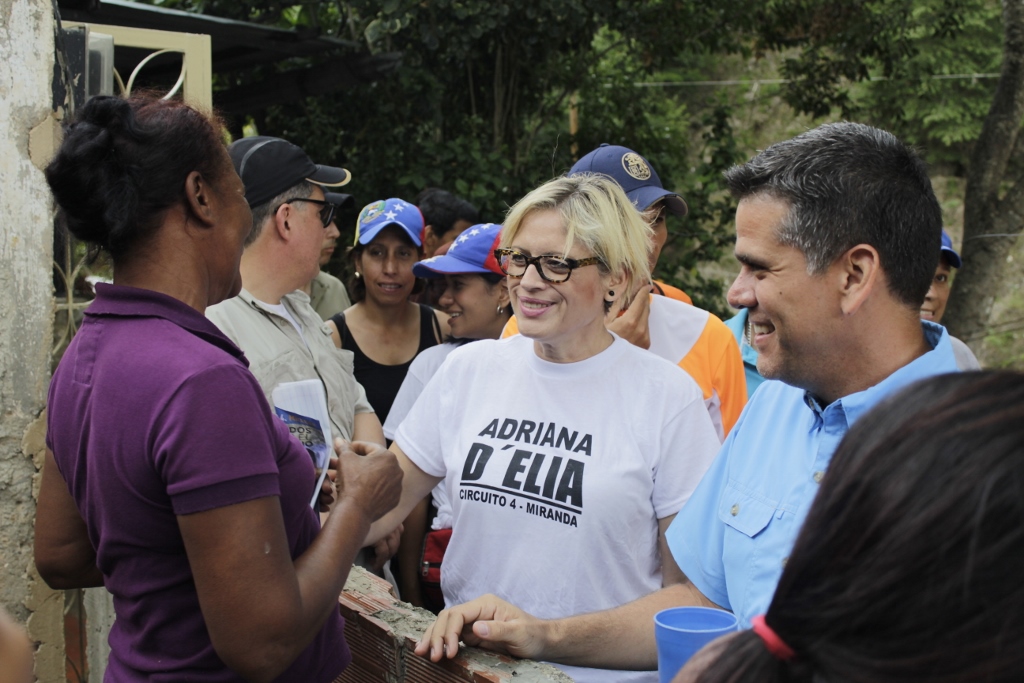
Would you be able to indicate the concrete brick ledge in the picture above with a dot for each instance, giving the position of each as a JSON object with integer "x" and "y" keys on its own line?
{"x": 381, "y": 631}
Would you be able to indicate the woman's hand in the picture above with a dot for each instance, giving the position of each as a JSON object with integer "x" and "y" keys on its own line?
{"x": 369, "y": 477}
{"x": 487, "y": 622}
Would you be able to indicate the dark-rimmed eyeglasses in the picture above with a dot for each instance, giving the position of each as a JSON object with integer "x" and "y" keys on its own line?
{"x": 326, "y": 208}
{"x": 553, "y": 269}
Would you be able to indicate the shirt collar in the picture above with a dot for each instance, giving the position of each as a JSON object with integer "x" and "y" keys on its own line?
{"x": 939, "y": 360}
{"x": 133, "y": 302}
{"x": 297, "y": 295}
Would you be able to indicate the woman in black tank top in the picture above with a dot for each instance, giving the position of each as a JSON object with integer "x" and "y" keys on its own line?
{"x": 383, "y": 328}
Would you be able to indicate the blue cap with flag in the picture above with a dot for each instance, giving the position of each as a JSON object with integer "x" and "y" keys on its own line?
{"x": 378, "y": 215}
{"x": 471, "y": 252}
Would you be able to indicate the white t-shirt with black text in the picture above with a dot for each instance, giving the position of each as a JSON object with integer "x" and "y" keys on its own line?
{"x": 558, "y": 473}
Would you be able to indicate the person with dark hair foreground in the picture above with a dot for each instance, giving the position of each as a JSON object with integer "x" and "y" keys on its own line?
{"x": 837, "y": 233}
{"x": 909, "y": 565}
{"x": 168, "y": 479}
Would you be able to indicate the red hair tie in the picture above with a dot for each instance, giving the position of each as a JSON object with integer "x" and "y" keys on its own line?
{"x": 776, "y": 646}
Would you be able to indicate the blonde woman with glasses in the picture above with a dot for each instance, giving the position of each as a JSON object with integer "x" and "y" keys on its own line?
{"x": 565, "y": 451}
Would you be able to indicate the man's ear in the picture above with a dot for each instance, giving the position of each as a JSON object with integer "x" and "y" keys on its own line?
{"x": 859, "y": 273}
{"x": 431, "y": 240}
{"x": 282, "y": 221}
{"x": 199, "y": 199}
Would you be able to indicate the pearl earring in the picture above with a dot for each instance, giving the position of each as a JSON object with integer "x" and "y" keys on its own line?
{"x": 500, "y": 309}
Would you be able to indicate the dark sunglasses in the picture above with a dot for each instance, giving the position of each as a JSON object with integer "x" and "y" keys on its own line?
{"x": 326, "y": 208}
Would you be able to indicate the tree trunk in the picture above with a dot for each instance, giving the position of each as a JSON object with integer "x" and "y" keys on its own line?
{"x": 992, "y": 218}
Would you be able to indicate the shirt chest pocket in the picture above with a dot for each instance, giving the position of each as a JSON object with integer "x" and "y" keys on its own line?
{"x": 743, "y": 512}
{"x": 288, "y": 366}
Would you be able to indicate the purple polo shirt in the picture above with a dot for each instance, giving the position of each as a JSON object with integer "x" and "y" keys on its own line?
{"x": 153, "y": 413}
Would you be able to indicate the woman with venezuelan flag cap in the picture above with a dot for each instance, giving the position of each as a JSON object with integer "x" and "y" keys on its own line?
{"x": 383, "y": 328}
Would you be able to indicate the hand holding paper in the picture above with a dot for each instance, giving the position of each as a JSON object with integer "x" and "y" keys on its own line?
{"x": 302, "y": 406}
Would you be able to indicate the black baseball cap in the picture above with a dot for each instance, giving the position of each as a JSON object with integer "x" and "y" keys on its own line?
{"x": 633, "y": 173}
{"x": 268, "y": 166}
{"x": 340, "y": 200}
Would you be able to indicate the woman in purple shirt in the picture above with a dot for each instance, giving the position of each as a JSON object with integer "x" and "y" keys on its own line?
{"x": 168, "y": 480}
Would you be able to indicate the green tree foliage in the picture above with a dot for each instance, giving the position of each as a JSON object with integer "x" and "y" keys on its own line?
{"x": 889, "y": 62}
{"x": 897, "y": 64}
{"x": 481, "y": 103}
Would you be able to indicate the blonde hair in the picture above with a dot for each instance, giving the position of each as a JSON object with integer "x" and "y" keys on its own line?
{"x": 597, "y": 214}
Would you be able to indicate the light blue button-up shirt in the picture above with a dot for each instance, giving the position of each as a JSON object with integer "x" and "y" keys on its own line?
{"x": 733, "y": 536}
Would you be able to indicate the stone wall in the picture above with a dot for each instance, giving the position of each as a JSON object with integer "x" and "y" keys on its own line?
{"x": 27, "y": 133}
{"x": 381, "y": 632}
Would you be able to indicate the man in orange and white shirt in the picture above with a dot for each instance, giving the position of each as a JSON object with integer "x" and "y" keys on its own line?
{"x": 660, "y": 317}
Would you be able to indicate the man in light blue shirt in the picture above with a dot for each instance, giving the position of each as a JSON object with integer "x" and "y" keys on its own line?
{"x": 735, "y": 533}
{"x": 837, "y": 232}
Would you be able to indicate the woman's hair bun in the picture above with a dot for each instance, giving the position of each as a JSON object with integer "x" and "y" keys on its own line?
{"x": 86, "y": 176}
{"x": 123, "y": 161}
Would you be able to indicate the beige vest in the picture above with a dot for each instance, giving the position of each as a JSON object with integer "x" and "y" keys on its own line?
{"x": 276, "y": 352}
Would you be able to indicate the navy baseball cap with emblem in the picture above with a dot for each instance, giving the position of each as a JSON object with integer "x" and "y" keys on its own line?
{"x": 376, "y": 216}
{"x": 633, "y": 173}
{"x": 948, "y": 252}
{"x": 471, "y": 252}
{"x": 269, "y": 166}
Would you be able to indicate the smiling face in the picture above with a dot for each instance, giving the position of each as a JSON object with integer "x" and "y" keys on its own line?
{"x": 386, "y": 265}
{"x": 795, "y": 316}
{"x": 565, "y": 320}
{"x": 472, "y": 302}
{"x": 934, "y": 305}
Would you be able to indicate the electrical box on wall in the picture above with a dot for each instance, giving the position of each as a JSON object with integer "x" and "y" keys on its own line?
{"x": 100, "y": 65}
{"x": 89, "y": 60}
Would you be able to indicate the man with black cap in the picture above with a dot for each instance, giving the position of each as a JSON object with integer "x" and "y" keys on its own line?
{"x": 271, "y": 320}
{"x": 668, "y": 325}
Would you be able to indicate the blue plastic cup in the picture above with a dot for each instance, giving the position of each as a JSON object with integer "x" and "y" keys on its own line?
{"x": 681, "y": 631}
